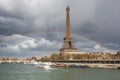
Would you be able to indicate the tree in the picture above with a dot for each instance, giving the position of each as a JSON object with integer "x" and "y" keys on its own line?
{"x": 117, "y": 55}
{"x": 45, "y": 59}
{"x": 54, "y": 57}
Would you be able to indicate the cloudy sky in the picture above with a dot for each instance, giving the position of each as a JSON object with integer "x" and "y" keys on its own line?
{"x": 36, "y": 27}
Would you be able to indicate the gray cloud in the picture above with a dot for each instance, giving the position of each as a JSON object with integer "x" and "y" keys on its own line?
{"x": 107, "y": 17}
{"x": 25, "y": 46}
{"x": 104, "y": 25}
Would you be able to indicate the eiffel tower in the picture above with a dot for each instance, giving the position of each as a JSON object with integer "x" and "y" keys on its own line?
{"x": 68, "y": 44}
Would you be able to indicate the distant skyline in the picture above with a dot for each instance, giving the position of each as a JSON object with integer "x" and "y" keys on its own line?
{"x": 37, "y": 27}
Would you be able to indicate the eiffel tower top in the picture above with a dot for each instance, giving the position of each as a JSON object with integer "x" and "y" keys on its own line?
{"x": 68, "y": 8}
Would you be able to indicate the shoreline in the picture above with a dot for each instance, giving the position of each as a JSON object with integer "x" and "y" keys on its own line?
{"x": 73, "y": 65}
{"x": 84, "y": 65}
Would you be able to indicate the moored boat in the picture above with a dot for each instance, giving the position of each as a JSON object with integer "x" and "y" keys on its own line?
{"x": 118, "y": 68}
{"x": 78, "y": 66}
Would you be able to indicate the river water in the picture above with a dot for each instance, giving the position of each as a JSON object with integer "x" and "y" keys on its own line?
{"x": 29, "y": 72}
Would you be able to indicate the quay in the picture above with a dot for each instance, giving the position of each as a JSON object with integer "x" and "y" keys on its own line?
{"x": 110, "y": 61}
{"x": 111, "y": 64}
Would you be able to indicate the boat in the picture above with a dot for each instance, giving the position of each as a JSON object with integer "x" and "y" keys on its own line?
{"x": 118, "y": 68}
{"x": 60, "y": 65}
{"x": 78, "y": 66}
{"x": 43, "y": 65}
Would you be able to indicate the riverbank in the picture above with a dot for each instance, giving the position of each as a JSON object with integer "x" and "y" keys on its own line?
{"x": 88, "y": 65}
{"x": 71, "y": 64}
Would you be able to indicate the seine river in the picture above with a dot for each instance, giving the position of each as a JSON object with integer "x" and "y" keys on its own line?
{"x": 29, "y": 72}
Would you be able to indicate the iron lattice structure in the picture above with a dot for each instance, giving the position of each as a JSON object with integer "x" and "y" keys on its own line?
{"x": 68, "y": 44}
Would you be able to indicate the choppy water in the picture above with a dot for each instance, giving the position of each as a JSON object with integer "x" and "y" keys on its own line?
{"x": 29, "y": 72}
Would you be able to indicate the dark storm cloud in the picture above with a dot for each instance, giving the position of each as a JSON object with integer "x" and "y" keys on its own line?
{"x": 41, "y": 15}
{"x": 87, "y": 29}
{"x": 9, "y": 26}
{"x": 107, "y": 16}
{"x": 32, "y": 16}
{"x": 104, "y": 26}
